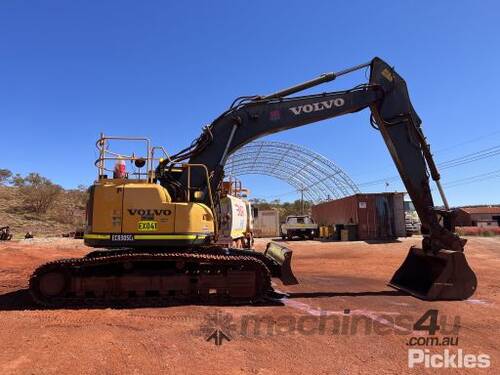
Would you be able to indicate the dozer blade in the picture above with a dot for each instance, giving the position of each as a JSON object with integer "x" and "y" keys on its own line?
{"x": 441, "y": 276}
{"x": 281, "y": 257}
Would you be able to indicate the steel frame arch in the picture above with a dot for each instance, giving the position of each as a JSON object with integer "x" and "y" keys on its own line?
{"x": 303, "y": 169}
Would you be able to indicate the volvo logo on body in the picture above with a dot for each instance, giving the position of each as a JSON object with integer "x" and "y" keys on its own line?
{"x": 317, "y": 106}
{"x": 149, "y": 212}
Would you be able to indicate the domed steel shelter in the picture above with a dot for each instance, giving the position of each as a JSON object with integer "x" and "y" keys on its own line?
{"x": 319, "y": 178}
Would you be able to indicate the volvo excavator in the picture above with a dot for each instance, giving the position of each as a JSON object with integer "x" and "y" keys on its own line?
{"x": 156, "y": 235}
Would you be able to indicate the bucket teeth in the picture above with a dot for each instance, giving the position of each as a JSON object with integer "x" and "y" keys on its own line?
{"x": 444, "y": 275}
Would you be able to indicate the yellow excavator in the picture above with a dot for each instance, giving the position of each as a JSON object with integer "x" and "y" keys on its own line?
{"x": 156, "y": 229}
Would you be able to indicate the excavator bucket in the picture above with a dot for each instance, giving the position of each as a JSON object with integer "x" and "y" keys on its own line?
{"x": 441, "y": 276}
{"x": 281, "y": 257}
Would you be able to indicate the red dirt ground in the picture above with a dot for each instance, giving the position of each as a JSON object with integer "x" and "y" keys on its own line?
{"x": 333, "y": 277}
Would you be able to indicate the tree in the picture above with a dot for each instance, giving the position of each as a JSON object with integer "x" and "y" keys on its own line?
{"x": 285, "y": 209}
{"x": 79, "y": 196}
{"x": 38, "y": 192}
{"x": 5, "y": 175}
{"x": 17, "y": 180}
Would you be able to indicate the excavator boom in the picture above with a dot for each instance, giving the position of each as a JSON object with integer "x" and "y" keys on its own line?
{"x": 436, "y": 270}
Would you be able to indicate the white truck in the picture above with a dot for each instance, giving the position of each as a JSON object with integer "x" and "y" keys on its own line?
{"x": 412, "y": 221}
{"x": 299, "y": 226}
{"x": 412, "y": 224}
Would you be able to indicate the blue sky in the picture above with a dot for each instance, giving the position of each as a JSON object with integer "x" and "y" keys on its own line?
{"x": 72, "y": 69}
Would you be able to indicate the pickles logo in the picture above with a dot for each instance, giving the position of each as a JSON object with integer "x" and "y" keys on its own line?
{"x": 447, "y": 359}
{"x": 149, "y": 212}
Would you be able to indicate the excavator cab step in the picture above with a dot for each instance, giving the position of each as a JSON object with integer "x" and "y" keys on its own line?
{"x": 444, "y": 275}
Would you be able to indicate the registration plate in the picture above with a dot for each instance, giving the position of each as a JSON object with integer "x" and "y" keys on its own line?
{"x": 147, "y": 226}
{"x": 122, "y": 237}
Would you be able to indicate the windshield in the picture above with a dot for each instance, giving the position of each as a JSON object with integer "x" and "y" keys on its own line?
{"x": 300, "y": 220}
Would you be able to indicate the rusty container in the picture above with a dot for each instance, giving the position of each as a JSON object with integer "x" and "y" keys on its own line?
{"x": 377, "y": 216}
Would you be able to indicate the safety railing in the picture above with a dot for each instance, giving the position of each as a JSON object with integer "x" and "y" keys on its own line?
{"x": 147, "y": 161}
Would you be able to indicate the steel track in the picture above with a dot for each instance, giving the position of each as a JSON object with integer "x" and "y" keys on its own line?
{"x": 197, "y": 268}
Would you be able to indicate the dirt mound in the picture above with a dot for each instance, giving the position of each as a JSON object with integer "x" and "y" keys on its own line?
{"x": 67, "y": 213}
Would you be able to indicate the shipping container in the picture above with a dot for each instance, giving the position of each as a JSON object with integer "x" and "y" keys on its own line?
{"x": 267, "y": 223}
{"x": 377, "y": 216}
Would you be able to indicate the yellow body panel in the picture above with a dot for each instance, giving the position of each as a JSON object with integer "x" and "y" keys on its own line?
{"x": 146, "y": 211}
{"x": 107, "y": 210}
{"x": 193, "y": 217}
{"x": 143, "y": 202}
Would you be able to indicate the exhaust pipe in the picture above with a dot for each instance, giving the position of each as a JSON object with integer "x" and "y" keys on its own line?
{"x": 444, "y": 275}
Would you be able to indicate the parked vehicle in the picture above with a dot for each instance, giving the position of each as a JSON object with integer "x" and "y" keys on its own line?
{"x": 299, "y": 226}
{"x": 412, "y": 223}
{"x": 5, "y": 234}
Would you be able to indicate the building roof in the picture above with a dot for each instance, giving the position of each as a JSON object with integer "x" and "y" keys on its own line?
{"x": 481, "y": 210}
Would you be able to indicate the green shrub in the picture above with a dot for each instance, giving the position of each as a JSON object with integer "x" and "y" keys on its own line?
{"x": 487, "y": 233}
{"x": 38, "y": 193}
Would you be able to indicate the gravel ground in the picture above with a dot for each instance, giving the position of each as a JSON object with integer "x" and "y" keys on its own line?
{"x": 341, "y": 318}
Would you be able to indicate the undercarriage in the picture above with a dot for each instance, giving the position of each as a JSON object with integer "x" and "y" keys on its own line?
{"x": 211, "y": 275}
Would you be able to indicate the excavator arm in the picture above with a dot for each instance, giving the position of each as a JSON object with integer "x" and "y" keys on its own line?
{"x": 438, "y": 270}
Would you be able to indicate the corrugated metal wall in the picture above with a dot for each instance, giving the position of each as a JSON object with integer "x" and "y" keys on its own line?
{"x": 378, "y": 215}
{"x": 339, "y": 211}
{"x": 399, "y": 214}
{"x": 463, "y": 219}
{"x": 267, "y": 224}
